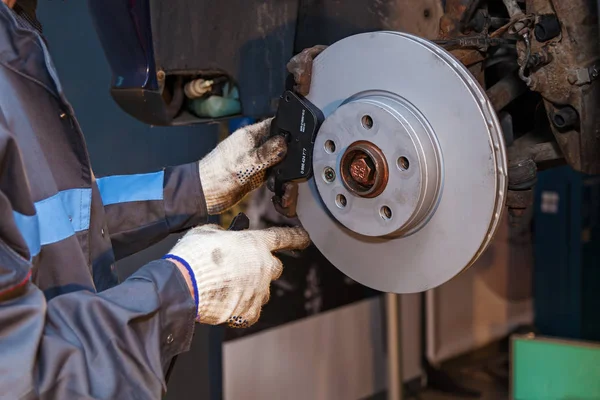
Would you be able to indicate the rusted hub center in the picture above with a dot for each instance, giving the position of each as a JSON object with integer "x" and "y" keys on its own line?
{"x": 364, "y": 170}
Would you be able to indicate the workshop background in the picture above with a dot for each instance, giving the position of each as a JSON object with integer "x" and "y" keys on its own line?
{"x": 323, "y": 335}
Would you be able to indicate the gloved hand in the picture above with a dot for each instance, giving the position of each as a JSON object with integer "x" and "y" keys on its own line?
{"x": 231, "y": 271}
{"x": 238, "y": 165}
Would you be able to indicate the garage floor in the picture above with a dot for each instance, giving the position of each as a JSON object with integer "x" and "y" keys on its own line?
{"x": 489, "y": 388}
{"x": 482, "y": 375}
{"x": 484, "y": 372}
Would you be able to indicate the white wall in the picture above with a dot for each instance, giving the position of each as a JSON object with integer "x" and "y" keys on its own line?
{"x": 487, "y": 301}
{"x": 334, "y": 355}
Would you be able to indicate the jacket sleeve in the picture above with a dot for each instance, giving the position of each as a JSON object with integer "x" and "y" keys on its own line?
{"x": 112, "y": 345}
{"x": 143, "y": 209}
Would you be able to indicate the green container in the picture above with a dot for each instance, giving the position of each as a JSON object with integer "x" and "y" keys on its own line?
{"x": 217, "y": 106}
{"x": 554, "y": 369}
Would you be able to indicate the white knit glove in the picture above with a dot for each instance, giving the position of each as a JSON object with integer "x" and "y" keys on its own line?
{"x": 232, "y": 271}
{"x": 238, "y": 165}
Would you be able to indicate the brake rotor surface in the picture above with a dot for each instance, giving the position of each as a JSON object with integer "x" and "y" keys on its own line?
{"x": 409, "y": 165}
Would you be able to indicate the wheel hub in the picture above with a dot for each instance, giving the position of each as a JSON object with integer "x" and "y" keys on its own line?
{"x": 387, "y": 161}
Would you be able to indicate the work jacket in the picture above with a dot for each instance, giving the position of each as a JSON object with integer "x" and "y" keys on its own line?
{"x": 68, "y": 330}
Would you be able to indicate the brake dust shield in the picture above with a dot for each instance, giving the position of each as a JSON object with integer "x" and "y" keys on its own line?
{"x": 409, "y": 165}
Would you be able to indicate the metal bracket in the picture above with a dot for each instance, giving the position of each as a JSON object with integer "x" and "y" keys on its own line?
{"x": 583, "y": 76}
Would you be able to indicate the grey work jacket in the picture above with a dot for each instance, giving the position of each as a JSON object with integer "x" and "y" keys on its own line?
{"x": 68, "y": 330}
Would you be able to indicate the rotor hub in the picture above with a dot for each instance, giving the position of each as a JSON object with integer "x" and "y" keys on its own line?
{"x": 388, "y": 164}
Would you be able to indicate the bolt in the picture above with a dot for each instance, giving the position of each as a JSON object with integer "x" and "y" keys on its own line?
{"x": 329, "y": 174}
{"x": 362, "y": 170}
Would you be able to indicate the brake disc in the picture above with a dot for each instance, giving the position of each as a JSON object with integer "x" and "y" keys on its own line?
{"x": 409, "y": 165}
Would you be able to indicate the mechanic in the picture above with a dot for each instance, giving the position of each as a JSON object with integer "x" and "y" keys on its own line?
{"x": 67, "y": 328}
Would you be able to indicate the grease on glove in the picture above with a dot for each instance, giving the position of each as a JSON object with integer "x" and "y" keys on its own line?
{"x": 233, "y": 270}
{"x": 238, "y": 165}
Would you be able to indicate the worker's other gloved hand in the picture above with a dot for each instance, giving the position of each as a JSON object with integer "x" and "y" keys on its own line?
{"x": 232, "y": 270}
{"x": 238, "y": 165}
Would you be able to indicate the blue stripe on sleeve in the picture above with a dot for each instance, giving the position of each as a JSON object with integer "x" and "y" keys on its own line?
{"x": 127, "y": 188}
{"x": 57, "y": 218}
{"x": 29, "y": 227}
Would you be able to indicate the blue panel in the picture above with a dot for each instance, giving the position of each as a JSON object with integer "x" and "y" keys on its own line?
{"x": 557, "y": 275}
{"x": 127, "y": 188}
{"x": 57, "y": 218}
{"x": 567, "y": 250}
{"x": 590, "y": 254}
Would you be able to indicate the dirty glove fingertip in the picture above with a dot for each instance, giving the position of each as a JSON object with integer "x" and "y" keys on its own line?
{"x": 272, "y": 151}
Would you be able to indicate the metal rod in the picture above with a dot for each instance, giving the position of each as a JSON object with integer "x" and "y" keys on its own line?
{"x": 506, "y": 90}
{"x": 394, "y": 345}
{"x": 515, "y": 12}
{"x": 512, "y": 7}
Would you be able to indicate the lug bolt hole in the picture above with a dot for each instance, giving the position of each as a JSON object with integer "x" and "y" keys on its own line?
{"x": 329, "y": 174}
{"x": 367, "y": 122}
{"x": 340, "y": 201}
{"x": 403, "y": 163}
{"x": 330, "y": 146}
{"x": 386, "y": 213}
